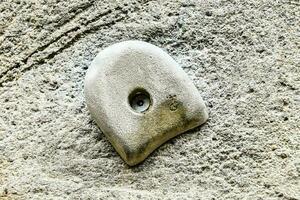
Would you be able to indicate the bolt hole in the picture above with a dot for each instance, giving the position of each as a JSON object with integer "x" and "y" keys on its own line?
{"x": 139, "y": 100}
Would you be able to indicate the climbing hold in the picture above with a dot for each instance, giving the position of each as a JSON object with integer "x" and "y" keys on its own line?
{"x": 140, "y": 98}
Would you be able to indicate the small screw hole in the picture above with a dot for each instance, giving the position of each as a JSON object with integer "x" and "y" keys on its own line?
{"x": 139, "y": 100}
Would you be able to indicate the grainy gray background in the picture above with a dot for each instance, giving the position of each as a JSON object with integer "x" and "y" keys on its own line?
{"x": 243, "y": 56}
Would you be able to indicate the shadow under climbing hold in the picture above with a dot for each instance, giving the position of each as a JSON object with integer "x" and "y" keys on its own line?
{"x": 140, "y": 98}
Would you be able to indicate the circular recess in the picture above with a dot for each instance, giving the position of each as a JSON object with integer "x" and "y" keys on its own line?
{"x": 139, "y": 100}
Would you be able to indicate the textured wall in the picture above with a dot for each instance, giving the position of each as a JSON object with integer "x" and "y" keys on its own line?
{"x": 243, "y": 56}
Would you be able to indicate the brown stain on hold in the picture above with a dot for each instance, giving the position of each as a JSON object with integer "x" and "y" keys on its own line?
{"x": 166, "y": 121}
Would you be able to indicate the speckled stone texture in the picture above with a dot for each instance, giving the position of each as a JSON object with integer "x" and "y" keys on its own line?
{"x": 243, "y": 56}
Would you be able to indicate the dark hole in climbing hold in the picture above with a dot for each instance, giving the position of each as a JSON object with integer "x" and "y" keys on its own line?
{"x": 139, "y": 100}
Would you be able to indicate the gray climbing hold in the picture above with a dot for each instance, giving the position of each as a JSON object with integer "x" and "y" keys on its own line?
{"x": 140, "y": 98}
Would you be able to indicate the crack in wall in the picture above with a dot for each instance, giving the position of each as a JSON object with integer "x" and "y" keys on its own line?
{"x": 83, "y": 28}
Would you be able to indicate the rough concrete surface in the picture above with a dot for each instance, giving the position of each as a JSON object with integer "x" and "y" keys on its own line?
{"x": 243, "y": 56}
